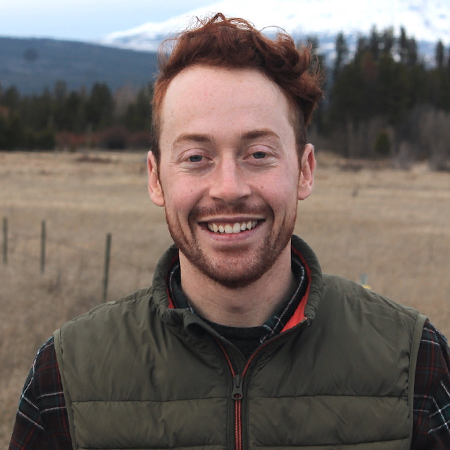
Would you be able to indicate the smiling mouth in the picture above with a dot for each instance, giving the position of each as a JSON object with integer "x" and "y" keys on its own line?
{"x": 231, "y": 228}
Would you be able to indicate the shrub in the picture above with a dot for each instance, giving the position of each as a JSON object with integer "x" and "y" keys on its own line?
{"x": 115, "y": 138}
{"x": 45, "y": 140}
{"x": 383, "y": 144}
{"x": 140, "y": 140}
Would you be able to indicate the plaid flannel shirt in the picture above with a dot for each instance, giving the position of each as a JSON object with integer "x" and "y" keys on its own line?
{"x": 42, "y": 422}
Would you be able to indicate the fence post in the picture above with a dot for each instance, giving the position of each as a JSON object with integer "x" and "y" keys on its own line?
{"x": 5, "y": 240}
{"x": 364, "y": 280}
{"x": 43, "y": 239}
{"x": 106, "y": 273}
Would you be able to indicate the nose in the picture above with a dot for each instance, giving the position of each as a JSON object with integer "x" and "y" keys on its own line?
{"x": 229, "y": 184}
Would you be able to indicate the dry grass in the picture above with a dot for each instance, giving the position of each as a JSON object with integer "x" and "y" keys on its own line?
{"x": 391, "y": 225}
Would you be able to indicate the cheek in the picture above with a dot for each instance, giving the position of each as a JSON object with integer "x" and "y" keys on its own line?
{"x": 281, "y": 189}
{"x": 180, "y": 195}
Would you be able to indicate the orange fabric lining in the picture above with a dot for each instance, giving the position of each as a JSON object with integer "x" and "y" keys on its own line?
{"x": 171, "y": 304}
{"x": 299, "y": 313}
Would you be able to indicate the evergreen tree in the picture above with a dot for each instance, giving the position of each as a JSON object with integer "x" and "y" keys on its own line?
{"x": 387, "y": 40}
{"x": 439, "y": 55}
{"x": 138, "y": 114}
{"x": 11, "y": 98}
{"x": 3, "y": 133}
{"x": 341, "y": 48}
{"x": 99, "y": 106}
{"x": 374, "y": 44}
{"x": 14, "y": 132}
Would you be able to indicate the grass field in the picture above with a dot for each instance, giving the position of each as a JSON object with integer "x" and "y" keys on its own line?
{"x": 391, "y": 225}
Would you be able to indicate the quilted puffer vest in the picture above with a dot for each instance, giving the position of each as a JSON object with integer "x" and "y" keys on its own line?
{"x": 140, "y": 375}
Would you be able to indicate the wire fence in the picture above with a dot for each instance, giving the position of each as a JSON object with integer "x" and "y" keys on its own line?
{"x": 38, "y": 248}
{"x": 44, "y": 251}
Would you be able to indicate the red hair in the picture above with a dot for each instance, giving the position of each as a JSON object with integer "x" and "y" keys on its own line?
{"x": 234, "y": 43}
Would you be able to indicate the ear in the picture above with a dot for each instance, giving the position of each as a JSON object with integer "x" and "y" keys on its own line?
{"x": 307, "y": 169}
{"x": 154, "y": 185}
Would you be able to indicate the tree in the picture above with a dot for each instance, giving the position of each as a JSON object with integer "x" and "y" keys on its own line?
{"x": 10, "y": 98}
{"x": 374, "y": 43}
{"x": 439, "y": 55}
{"x": 387, "y": 41}
{"x": 99, "y": 106}
{"x": 138, "y": 114}
{"x": 341, "y": 48}
{"x": 403, "y": 46}
{"x": 3, "y": 133}
{"x": 14, "y": 132}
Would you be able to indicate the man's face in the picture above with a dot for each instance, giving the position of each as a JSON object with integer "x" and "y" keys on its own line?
{"x": 229, "y": 175}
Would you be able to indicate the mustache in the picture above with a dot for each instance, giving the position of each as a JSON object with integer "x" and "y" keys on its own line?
{"x": 224, "y": 210}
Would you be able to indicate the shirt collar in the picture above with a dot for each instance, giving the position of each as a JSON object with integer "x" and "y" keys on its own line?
{"x": 276, "y": 323}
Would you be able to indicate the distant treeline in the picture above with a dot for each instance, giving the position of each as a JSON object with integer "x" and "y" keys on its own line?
{"x": 71, "y": 119}
{"x": 383, "y": 100}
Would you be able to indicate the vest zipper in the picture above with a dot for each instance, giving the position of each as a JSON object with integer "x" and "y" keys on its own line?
{"x": 237, "y": 396}
{"x": 237, "y": 393}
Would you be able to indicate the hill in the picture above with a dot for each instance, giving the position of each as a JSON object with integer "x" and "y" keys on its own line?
{"x": 34, "y": 64}
{"x": 425, "y": 20}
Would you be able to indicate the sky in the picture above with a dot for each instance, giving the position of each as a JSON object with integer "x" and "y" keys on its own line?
{"x": 85, "y": 19}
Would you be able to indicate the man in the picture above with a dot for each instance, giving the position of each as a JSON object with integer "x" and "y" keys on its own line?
{"x": 240, "y": 342}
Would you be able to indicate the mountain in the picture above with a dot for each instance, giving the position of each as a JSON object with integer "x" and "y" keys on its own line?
{"x": 34, "y": 64}
{"x": 425, "y": 20}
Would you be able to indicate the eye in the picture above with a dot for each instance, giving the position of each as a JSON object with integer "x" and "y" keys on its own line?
{"x": 195, "y": 158}
{"x": 259, "y": 155}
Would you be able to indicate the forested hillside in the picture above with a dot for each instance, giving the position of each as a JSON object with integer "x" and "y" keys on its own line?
{"x": 381, "y": 101}
{"x": 384, "y": 101}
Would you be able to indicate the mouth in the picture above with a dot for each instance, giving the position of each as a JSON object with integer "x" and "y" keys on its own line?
{"x": 231, "y": 228}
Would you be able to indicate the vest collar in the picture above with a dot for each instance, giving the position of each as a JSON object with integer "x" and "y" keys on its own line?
{"x": 306, "y": 310}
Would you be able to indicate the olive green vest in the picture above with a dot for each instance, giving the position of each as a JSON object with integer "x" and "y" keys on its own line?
{"x": 139, "y": 375}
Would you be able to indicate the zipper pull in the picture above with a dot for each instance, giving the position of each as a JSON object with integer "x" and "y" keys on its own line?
{"x": 237, "y": 388}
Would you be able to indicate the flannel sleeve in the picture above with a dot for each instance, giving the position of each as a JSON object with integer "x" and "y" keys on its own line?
{"x": 431, "y": 428}
{"x": 41, "y": 419}
{"x": 42, "y": 423}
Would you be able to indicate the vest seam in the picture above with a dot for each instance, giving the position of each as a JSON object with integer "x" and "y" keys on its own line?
{"x": 249, "y": 397}
{"x": 332, "y": 443}
{"x": 331, "y": 395}
{"x": 147, "y": 401}
{"x": 150, "y": 448}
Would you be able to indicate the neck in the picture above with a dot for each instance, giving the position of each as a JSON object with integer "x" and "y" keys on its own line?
{"x": 248, "y": 306}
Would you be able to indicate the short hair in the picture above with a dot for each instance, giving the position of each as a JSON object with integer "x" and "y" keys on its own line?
{"x": 234, "y": 43}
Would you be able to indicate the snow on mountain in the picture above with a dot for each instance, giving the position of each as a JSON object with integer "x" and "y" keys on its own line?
{"x": 425, "y": 20}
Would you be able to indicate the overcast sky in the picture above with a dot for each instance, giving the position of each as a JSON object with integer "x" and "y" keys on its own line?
{"x": 85, "y": 19}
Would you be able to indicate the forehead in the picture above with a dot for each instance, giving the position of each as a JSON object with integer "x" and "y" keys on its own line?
{"x": 238, "y": 97}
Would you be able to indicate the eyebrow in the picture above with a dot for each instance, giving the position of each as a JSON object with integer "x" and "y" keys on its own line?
{"x": 255, "y": 134}
{"x": 192, "y": 137}
{"x": 202, "y": 138}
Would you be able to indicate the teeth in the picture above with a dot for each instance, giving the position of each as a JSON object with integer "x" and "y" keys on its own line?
{"x": 229, "y": 228}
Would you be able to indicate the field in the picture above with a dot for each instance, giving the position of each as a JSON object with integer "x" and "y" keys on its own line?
{"x": 391, "y": 226}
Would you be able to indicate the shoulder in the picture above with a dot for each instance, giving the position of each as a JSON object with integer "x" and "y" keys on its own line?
{"x": 41, "y": 379}
{"x": 432, "y": 391}
{"x": 433, "y": 361}
{"x": 362, "y": 298}
{"x": 115, "y": 310}
{"x": 41, "y": 419}
{"x": 42, "y": 390}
